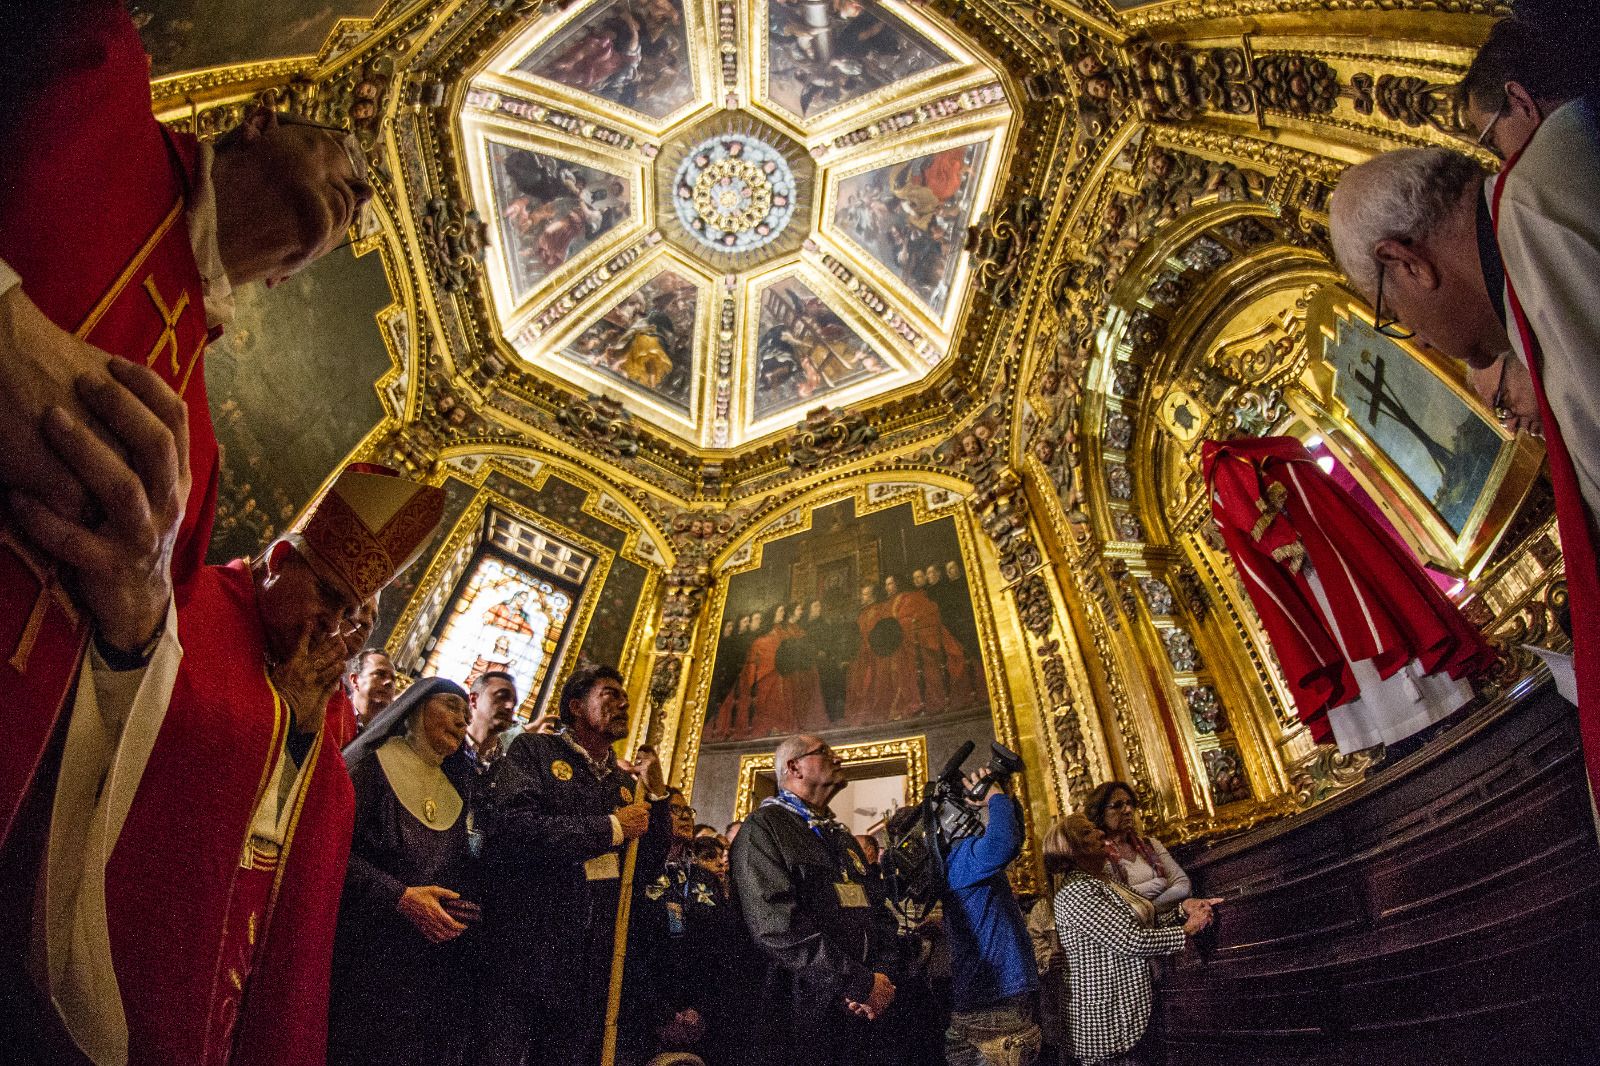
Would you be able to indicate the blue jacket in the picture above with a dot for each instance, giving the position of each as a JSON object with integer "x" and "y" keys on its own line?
{"x": 991, "y": 957}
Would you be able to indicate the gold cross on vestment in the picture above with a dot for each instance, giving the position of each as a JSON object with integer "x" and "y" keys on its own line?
{"x": 169, "y": 335}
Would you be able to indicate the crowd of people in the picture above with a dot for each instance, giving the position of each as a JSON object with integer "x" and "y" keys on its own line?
{"x": 191, "y": 873}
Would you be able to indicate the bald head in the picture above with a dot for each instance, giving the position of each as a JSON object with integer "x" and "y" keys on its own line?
{"x": 805, "y": 765}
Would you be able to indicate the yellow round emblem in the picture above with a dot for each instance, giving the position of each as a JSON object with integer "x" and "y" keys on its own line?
{"x": 560, "y": 770}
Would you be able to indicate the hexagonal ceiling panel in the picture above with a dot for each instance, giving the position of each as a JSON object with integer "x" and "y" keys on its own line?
{"x": 726, "y": 212}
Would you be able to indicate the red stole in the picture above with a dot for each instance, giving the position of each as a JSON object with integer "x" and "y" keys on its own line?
{"x": 1276, "y": 509}
{"x": 1572, "y": 519}
{"x": 93, "y": 220}
{"x": 197, "y": 941}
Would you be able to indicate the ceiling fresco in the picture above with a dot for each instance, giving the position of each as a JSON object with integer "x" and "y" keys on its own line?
{"x": 662, "y": 174}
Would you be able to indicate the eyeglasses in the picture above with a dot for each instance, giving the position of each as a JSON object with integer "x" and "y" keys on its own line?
{"x": 1120, "y": 805}
{"x": 358, "y": 169}
{"x": 1502, "y": 413}
{"x": 683, "y": 812}
{"x": 1388, "y": 327}
{"x": 1483, "y": 138}
{"x": 821, "y": 749}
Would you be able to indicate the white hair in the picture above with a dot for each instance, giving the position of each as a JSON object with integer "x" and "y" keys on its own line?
{"x": 1405, "y": 195}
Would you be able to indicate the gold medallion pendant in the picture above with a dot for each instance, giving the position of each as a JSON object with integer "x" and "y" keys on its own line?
{"x": 560, "y": 770}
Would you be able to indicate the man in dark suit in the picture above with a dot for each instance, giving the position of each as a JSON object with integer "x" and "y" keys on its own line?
{"x": 553, "y": 871}
{"x": 801, "y": 883}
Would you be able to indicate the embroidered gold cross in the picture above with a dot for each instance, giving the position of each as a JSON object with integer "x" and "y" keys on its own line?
{"x": 43, "y": 572}
{"x": 169, "y": 335}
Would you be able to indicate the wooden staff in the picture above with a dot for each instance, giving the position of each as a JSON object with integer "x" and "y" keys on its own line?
{"x": 619, "y": 945}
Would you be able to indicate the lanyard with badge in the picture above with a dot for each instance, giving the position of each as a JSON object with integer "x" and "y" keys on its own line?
{"x": 851, "y": 893}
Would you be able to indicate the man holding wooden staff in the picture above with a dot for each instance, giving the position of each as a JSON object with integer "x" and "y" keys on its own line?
{"x": 557, "y": 863}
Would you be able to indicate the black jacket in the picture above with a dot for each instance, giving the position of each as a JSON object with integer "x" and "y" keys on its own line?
{"x": 552, "y": 814}
{"x": 787, "y": 878}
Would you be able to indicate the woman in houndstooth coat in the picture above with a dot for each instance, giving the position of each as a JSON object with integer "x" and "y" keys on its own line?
{"x": 1109, "y": 934}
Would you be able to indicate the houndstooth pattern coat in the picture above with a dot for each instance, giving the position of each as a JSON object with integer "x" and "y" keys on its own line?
{"x": 1108, "y": 951}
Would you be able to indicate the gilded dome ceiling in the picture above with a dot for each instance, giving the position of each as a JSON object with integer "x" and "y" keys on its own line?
{"x": 724, "y": 215}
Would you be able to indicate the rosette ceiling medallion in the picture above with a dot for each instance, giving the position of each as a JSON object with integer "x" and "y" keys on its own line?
{"x": 724, "y": 215}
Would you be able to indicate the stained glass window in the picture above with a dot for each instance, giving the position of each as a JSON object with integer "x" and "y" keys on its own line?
{"x": 504, "y": 617}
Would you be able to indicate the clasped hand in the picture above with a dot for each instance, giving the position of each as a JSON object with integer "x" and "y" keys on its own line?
{"x": 1197, "y": 913}
{"x": 94, "y": 458}
{"x": 438, "y": 913}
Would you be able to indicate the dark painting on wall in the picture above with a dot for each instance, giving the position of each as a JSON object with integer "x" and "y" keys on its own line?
{"x": 189, "y": 34}
{"x": 632, "y": 52}
{"x": 804, "y": 351}
{"x": 912, "y": 217}
{"x": 550, "y": 210}
{"x": 647, "y": 340}
{"x": 291, "y": 384}
{"x": 855, "y": 622}
{"x": 854, "y": 48}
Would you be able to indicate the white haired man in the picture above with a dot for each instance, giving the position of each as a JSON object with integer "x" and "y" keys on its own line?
{"x": 1408, "y": 229}
{"x": 801, "y": 883}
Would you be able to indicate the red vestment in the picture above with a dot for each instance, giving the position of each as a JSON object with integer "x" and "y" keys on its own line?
{"x": 941, "y": 665}
{"x": 789, "y": 699}
{"x": 201, "y": 942}
{"x": 760, "y": 661}
{"x": 1575, "y": 524}
{"x": 881, "y": 686}
{"x": 93, "y": 219}
{"x": 1278, "y": 511}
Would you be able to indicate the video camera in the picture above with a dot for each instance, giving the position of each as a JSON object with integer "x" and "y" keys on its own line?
{"x": 920, "y": 836}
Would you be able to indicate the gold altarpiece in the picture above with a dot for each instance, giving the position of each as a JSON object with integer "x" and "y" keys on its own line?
{"x": 1151, "y": 267}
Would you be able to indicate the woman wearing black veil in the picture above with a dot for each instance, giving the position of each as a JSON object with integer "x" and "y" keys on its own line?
{"x": 399, "y": 962}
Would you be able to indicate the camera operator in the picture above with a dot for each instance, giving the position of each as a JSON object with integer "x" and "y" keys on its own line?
{"x": 993, "y": 978}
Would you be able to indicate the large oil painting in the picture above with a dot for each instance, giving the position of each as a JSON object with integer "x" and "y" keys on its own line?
{"x": 291, "y": 384}
{"x": 1437, "y": 440}
{"x": 912, "y": 217}
{"x": 855, "y": 622}
{"x": 634, "y": 53}
{"x": 184, "y": 35}
{"x": 647, "y": 340}
{"x": 550, "y": 210}
{"x": 804, "y": 350}
{"x": 823, "y": 55}
{"x": 860, "y": 628}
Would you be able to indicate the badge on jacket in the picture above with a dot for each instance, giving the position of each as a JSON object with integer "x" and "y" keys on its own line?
{"x": 560, "y": 770}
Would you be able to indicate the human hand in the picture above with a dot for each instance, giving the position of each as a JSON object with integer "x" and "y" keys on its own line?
{"x": 686, "y": 1027}
{"x": 1197, "y": 913}
{"x": 120, "y": 561}
{"x": 309, "y": 676}
{"x": 647, "y": 768}
{"x": 970, "y": 782}
{"x": 40, "y": 366}
{"x": 462, "y": 910}
{"x": 635, "y": 820}
{"x": 423, "y": 907}
{"x": 877, "y": 1000}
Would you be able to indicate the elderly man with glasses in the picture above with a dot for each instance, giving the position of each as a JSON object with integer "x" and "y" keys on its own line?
{"x": 800, "y": 881}
{"x": 1405, "y": 225}
{"x": 120, "y": 242}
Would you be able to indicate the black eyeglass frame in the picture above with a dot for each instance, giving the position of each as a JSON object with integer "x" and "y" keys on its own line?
{"x": 1391, "y": 328}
